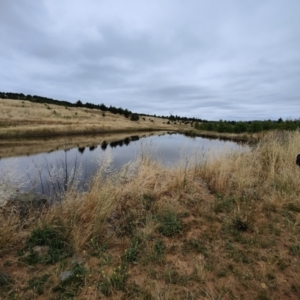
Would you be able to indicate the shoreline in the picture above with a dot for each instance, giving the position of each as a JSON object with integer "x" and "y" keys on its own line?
{"x": 243, "y": 137}
{"x": 94, "y": 131}
{"x": 24, "y": 145}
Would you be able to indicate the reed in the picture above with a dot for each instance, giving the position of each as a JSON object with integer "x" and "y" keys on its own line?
{"x": 267, "y": 171}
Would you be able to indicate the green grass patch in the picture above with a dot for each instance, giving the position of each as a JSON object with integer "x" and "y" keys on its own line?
{"x": 147, "y": 201}
{"x": 131, "y": 254}
{"x": 292, "y": 207}
{"x": 241, "y": 225}
{"x": 159, "y": 251}
{"x": 50, "y": 237}
{"x": 224, "y": 204}
{"x": 116, "y": 281}
{"x": 194, "y": 246}
{"x": 295, "y": 249}
{"x": 170, "y": 224}
{"x": 37, "y": 283}
{"x": 71, "y": 286}
{"x": 172, "y": 276}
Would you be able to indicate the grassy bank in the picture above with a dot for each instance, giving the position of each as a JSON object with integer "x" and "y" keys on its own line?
{"x": 227, "y": 228}
{"x": 23, "y": 119}
{"x": 238, "y": 137}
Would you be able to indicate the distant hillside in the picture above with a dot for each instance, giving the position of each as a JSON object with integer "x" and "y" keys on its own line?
{"x": 127, "y": 113}
{"x": 21, "y": 118}
{"x": 39, "y": 99}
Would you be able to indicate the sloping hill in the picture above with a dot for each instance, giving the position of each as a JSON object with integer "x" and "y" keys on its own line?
{"x": 20, "y": 118}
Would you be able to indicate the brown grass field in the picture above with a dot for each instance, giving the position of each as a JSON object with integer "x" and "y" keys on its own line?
{"x": 27, "y": 119}
{"x": 226, "y": 228}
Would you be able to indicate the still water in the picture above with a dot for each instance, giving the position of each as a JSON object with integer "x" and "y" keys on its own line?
{"x": 169, "y": 148}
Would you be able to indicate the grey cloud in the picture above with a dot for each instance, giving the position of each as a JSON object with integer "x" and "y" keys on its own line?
{"x": 179, "y": 92}
{"x": 207, "y": 59}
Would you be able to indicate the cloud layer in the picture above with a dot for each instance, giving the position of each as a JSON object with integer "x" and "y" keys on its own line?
{"x": 237, "y": 60}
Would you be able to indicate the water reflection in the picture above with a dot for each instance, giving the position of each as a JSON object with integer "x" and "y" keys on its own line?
{"x": 47, "y": 171}
{"x": 136, "y": 137}
{"x": 127, "y": 141}
{"x": 104, "y": 145}
{"x": 116, "y": 143}
{"x": 81, "y": 149}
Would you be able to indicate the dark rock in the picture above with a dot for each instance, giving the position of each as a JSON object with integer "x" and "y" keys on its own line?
{"x": 65, "y": 275}
{"x": 41, "y": 250}
{"x": 298, "y": 160}
{"x": 77, "y": 260}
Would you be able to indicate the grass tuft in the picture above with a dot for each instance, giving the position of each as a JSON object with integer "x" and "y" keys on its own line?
{"x": 37, "y": 283}
{"x": 170, "y": 224}
{"x": 46, "y": 236}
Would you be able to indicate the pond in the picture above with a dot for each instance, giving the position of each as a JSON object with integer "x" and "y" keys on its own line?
{"x": 48, "y": 172}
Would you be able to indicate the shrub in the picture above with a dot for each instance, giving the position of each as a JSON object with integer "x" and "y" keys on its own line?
{"x": 134, "y": 117}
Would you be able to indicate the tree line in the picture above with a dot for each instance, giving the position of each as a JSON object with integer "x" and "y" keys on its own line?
{"x": 248, "y": 126}
{"x": 201, "y": 124}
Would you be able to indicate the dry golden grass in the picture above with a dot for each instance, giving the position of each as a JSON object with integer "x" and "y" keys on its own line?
{"x": 27, "y": 119}
{"x": 224, "y": 229}
{"x": 269, "y": 171}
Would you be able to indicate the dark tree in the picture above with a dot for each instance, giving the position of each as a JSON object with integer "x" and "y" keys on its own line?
{"x": 134, "y": 117}
{"x": 79, "y": 103}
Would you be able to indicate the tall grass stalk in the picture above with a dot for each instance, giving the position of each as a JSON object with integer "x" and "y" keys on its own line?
{"x": 267, "y": 171}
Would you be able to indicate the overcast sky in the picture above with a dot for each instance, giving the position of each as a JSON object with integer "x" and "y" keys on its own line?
{"x": 213, "y": 59}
